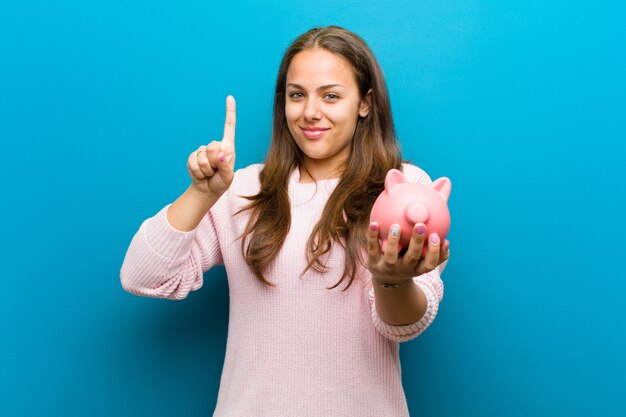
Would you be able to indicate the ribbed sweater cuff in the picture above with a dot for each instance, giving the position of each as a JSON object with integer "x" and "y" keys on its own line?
{"x": 406, "y": 332}
{"x": 164, "y": 239}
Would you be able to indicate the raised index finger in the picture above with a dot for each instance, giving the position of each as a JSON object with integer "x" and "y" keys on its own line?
{"x": 229, "y": 124}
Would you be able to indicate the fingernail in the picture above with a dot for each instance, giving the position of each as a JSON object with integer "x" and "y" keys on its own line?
{"x": 373, "y": 227}
{"x": 434, "y": 238}
{"x": 420, "y": 230}
{"x": 222, "y": 158}
{"x": 395, "y": 230}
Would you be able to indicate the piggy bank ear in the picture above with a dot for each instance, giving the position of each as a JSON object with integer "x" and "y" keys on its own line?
{"x": 393, "y": 178}
{"x": 442, "y": 186}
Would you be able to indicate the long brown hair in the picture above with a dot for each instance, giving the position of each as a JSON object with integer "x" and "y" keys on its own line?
{"x": 374, "y": 150}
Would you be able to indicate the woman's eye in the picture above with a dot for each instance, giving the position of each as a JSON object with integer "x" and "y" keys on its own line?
{"x": 332, "y": 97}
{"x": 295, "y": 95}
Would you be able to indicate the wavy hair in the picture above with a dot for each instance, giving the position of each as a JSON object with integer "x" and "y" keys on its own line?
{"x": 374, "y": 151}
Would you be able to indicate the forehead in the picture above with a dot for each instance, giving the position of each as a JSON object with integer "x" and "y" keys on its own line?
{"x": 314, "y": 67}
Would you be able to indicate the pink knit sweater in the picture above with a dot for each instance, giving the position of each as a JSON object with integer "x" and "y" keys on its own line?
{"x": 297, "y": 349}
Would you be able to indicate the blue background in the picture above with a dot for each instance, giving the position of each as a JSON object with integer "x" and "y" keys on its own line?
{"x": 521, "y": 104}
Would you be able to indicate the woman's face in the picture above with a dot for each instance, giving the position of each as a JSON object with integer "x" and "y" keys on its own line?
{"x": 322, "y": 106}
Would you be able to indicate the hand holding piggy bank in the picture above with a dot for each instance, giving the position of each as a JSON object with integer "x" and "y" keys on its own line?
{"x": 407, "y": 204}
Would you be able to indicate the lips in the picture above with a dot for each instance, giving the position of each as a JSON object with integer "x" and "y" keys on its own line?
{"x": 314, "y": 129}
{"x": 313, "y": 132}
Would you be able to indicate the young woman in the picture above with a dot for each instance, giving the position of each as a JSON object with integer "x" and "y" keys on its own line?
{"x": 316, "y": 309}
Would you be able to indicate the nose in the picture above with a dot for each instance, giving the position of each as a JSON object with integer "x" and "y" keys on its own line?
{"x": 312, "y": 110}
{"x": 417, "y": 213}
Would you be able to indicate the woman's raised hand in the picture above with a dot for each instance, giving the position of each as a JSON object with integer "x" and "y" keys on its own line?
{"x": 211, "y": 167}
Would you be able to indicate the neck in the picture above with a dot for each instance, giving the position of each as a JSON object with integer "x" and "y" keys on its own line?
{"x": 312, "y": 174}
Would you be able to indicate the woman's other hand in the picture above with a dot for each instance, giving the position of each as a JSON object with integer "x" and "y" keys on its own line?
{"x": 390, "y": 268}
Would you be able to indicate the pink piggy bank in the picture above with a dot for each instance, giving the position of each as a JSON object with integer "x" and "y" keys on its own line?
{"x": 407, "y": 204}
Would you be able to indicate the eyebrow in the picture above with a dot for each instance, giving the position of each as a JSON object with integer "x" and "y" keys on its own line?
{"x": 323, "y": 87}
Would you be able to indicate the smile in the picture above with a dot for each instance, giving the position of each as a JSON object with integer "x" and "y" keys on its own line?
{"x": 313, "y": 133}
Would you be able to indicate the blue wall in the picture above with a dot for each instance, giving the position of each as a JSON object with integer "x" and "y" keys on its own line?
{"x": 521, "y": 104}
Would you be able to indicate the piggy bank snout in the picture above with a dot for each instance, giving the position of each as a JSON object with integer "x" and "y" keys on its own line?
{"x": 417, "y": 213}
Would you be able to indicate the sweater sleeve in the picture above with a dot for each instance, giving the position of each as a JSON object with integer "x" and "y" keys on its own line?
{"x": 162, "y": 262}
{"x": 430, "y": 283}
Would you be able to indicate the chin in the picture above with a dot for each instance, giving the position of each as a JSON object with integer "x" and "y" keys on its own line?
{"x": 315, "y": 155}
